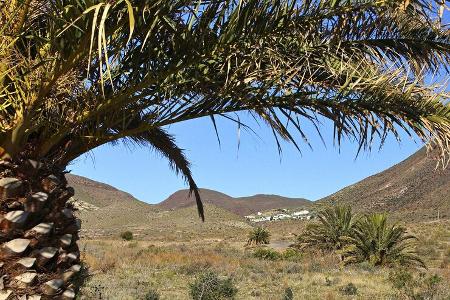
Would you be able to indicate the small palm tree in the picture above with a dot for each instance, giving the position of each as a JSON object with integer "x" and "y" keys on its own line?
{"x": 259, "y": 236}
{"x": 379, "y": 243}
{"x": 335, "y": 225}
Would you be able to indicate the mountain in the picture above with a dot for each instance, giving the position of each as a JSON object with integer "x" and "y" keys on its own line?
{"x": 413, "y": 189}
{"x": 106, "y": 212}
{"x": 241, "y": 206}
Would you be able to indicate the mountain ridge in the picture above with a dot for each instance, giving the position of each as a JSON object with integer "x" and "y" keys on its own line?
{"x": 412, "y": 189}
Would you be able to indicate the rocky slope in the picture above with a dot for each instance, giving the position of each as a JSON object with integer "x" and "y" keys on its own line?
{"x": 413, "y": 189}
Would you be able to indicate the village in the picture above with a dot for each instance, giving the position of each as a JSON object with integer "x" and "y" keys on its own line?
{"x": 280, "y": 214}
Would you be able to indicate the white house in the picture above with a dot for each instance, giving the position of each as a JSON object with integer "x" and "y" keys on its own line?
{"x": 301, "y": 213}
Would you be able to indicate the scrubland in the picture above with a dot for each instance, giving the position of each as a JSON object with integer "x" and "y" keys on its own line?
{"x": 117, "y": 269}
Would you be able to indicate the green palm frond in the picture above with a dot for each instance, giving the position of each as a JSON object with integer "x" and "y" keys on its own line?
{"x": 258, "y": 236}
{"x": 164, "y": 144}
{"x": 379, "y": 243}
{"x": 74, "y": 73}
{"x": 334, "y": 226}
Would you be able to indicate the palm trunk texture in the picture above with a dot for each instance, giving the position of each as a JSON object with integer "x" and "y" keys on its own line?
{"x": 39, "y": 256}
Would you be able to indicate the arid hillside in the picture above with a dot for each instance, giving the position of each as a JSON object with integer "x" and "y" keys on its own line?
{"x": 241, "y": 206}
{"x": 413, "y": 189}
{"x": 106, "y": 212}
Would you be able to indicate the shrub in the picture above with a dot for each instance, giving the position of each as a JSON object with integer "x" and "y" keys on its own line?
{"x": 335, "y": 225}
{"x": 288, "y": 294}
{"x": 349, "y": 289}
{"x": 152, "y": 295}
{"x": 208, "y": 286}
{"x": 291, "y": 254}
{"x": 416, "y": 287}
{"x": 126, "y": 235}
{"x": 379, "y": 243}
{"x": 258, "y": 236}
{"x": 267, "y": 254}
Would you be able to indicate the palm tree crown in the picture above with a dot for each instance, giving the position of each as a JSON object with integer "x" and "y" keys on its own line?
{"x": 258, "y": 236}
{"x": 335, "y": 225}
{"x": 379, "y": 243}
{"x": 75, "y": 75}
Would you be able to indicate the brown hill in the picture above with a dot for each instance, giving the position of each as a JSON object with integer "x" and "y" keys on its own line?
{"x": 106, "y": 212}
{"x": 413, "y": 189}
{"x": 241, "y": 206}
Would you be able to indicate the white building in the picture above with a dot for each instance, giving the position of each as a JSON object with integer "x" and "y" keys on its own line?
{"x": 301, "y": 213}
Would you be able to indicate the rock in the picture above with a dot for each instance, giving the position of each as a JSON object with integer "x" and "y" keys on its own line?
{"x": 5, "y": 295}
{"x": 26, "y": 279}
{"x": 41, "y": 229}
{"x": 68, "y": 294}
{"x": 52, "y": 287}
{"x": 14, "y": 219}
{"x": 17, "y": 246}
{"x": 66, "y": 240}
{"x": 27, "y": 262}
{"x": 36, "y": 202}
{"x": 10, "y": 187}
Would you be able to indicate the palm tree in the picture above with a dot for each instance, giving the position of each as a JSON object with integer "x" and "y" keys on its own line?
{"x": 379, "y": 243}
{"x": 258, "y": 236}
{"x": 75, "y": 75}
{"x": 335, "y": 225}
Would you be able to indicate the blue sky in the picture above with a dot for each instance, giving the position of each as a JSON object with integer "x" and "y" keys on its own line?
{"x": 256, "y": 168}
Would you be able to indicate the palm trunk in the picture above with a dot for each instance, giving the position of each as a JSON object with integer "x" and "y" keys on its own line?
{"x": 39, "y": 256}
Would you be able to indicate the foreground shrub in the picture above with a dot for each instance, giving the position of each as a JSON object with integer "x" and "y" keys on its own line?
{"x": 417, "y": 287}
{"x": 126, "y": 235}
{"x": 268, "y": 254}
{"x": 152, "y": 295}
{"x": 330, "y": 233}
{"x": 208, "y": 286}
{"x": 288, "y": 294}
{"x": 379, "y": 243}
{"x": 291, "y": 254}
{"x": 258, "y": 236}
{"x": 349, "y": 289}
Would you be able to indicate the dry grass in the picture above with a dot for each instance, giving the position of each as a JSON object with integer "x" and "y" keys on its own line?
{"x": 127, "y": 270}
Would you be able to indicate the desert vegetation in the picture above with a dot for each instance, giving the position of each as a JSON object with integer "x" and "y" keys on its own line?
{"x": 356, "y": 239}
{"x": 76, "y": 75}
{"x": 258, "y": 236}
{"x": 123, "y": 272}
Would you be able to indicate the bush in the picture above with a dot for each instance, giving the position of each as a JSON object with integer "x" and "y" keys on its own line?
{"x": 258, "y": 236}
{"x": 267, "y": 254}
{"x": 127, "y": 235}
{"x": 416, "y": 287}
{"x": 288, "y": 294}
{"x": 291, "y": 254}
{"x": 152, "y": 295}
{"x": 349, "y": 290}
{"x": 208, "y": 286}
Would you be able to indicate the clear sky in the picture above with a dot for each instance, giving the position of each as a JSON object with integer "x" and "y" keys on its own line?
{"x": 256, "y": 168}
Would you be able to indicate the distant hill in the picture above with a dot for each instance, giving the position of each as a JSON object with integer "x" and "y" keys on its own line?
{"x": 106, "y": 211}
{"x": 241, "y": 206}
{"x": 413, "y": 189}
